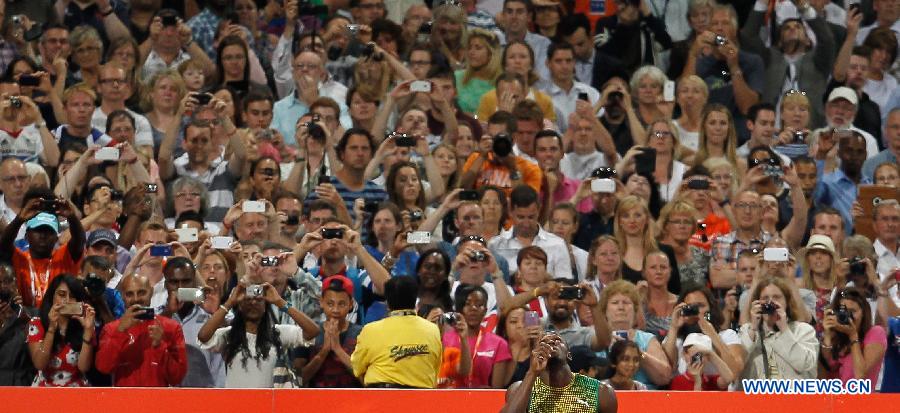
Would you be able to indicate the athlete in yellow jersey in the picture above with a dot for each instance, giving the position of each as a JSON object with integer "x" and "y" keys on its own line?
{"x": 550, "y": 386}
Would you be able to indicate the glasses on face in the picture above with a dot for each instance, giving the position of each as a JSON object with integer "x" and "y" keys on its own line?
{"x": 205, "y": 123}
{"x": 662, "y": 134}
{"x": 122, "y": 130}
{"x": 746, "y": 206}
{"x": 114, "y": 82}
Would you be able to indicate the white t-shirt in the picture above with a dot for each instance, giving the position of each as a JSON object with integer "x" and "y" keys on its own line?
{"x": 690, "y": 140}
{"x": 254, "y": 374}
{"x": 27, "y": 146}
{"x": 579, "y": 167}
{"x": 143, "y": 132}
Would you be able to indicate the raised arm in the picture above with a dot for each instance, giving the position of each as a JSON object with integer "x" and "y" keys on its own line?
{"x": 842, "y": 62}
{"x": 167, "y": 146}
{"x": 377, "y": 273}
{"x": 793, "y": 232}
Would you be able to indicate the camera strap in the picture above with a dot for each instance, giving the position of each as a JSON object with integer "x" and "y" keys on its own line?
{"x": 762, "y": 344}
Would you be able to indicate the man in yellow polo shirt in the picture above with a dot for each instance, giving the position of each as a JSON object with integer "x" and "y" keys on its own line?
{"x": 402, "y": 350}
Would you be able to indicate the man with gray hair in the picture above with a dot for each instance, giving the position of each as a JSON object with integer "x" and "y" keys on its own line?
{"x": 886, "y": 224}
{"x": 891, "y": 140}
{"x": 735, "y": 77}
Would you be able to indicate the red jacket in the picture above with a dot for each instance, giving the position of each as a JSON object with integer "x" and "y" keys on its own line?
{"x": 132, "y": 360}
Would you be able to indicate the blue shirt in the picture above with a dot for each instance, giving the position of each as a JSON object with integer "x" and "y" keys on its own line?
{"x": 287, "y": 111}
{"x": 204, "y": 25}
{"x": 868, "y": 168}
{"x": 370, "y": 192}
{"x": 839, "y": 191}
{"x": 405, "y": 264}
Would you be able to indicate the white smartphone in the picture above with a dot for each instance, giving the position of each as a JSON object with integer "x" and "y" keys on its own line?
{"x": 420, "y": 86}
{"x": 253, "y": 206}
{"x": 418, "y": 237}
{"x": 775, "y": 254}
{"x": 221, "y": 243}
{"x": 669, "y": 91}
{"x": 190, "y": 295}
{"x": 107, "y": 154}
{"x": 187, "y": 235}
{"x": 603, "y": 185}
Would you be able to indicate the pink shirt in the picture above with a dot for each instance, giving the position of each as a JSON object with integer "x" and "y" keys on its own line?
{"x": 492, "y": 349}
{"x": 566, "y": 190}
{"x": 876, "y": 335}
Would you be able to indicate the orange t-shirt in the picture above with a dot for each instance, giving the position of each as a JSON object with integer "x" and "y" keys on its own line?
{"x": 498, "y": 175}
{"x": 34, "y": 275}
{"x": 715, "y": 226}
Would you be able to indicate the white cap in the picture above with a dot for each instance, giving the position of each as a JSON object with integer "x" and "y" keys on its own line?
{"x": 702, "y": 341}
{"x": 844, "y": 92}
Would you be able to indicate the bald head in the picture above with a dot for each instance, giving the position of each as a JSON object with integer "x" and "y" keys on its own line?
{"x": 136, "y": 290}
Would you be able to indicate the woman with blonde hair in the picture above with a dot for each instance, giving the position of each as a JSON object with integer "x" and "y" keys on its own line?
{"x": 662, "y": 136}
{"x": 448, "y": 33}
{"x": 633, "y": 229}
{"x": 604, "y": 262}
{"x": 820, "y": 273}
{"x": 647, "y": 86}
{"x": 87, "y": 54}
{"x": 718, "y": 137}
{"x": 691, "y": 94}
{"x": 678, "y": 222}
{"x": 160, "y": 98}
{"x": 482, "y": 68}
{"x": 622, "y": 303}
{"x": 726, "y": 178}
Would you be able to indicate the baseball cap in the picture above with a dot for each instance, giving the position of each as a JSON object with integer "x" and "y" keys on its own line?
{"x": 344, "y": 282}
{"x": 843, "y": 92}
{"x": 583, "y": 358}
{"x": 102, "y": 235}
{"x": 820, "y": 242}
{"x": 702, "y": 341}
{"x": 41, "y": 220}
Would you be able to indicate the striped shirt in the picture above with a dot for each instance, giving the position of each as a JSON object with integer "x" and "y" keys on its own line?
{"x": 371, "y": 192}
{"x": 219, "y": 181}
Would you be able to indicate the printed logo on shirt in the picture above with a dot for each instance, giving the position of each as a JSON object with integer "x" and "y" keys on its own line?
{"x": 402, "y": 351}
{"x": 488, "y": 354}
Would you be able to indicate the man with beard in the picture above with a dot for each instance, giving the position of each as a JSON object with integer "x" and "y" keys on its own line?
{"x": 840, "y": 111}
{"x": 840, "y": 187}
{"x": 140, "y": 352}
{"x": 550, "y": 386}
{"x": 793, "y": 62}
{"x": 561, "y": 312}
{"x": 526, "y": 230}
{"x": 204, "y": 368}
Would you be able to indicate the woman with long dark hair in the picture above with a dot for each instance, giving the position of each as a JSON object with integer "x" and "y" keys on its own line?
{"x": 493, "y": 203}
{"x": 263, "y": 182}
{"x": 853, "y": 345}
{"x": 60, "y": 341}
{"x": 253, "y": 343}
{"x": 433, "y": 273}
{"x": 521, "y": 339}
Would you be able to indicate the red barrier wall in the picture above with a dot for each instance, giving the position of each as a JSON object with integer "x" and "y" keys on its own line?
{"x": 397, "y": 401}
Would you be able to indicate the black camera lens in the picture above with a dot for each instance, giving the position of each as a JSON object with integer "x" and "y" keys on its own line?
{"x": 844, "y": 316}
{"x": 768, "y": 308}
{"x": 690, "y": 310}
{"x": 416, "y": 215}
{"x": 857, "y": 266}
{"x": 448, "y": 318}
{"x": 479, "y": 256}
{"x": 502, "y": 145}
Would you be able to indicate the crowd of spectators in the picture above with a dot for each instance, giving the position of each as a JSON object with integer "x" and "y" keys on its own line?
{"x": 409, "y": 194}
